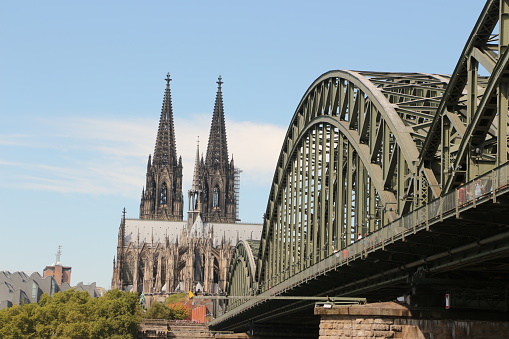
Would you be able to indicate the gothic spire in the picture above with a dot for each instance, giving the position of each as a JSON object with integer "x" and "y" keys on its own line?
{"x": 165, "y": 150}
{"x": 217, "y": 149}
{"x": 162, "y": 198}
{"x": 196, "y": 175}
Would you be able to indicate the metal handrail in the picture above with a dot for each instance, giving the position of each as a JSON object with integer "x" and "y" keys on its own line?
{"x": 464, "y": 197}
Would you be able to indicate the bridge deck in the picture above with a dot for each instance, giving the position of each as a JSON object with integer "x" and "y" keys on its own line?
{"x": 458, "y": 241}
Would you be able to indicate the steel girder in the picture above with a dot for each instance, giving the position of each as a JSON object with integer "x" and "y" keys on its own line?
{"x": 346, "y": 166}
{"x": 364, "y": 148}
{"x": 241, "y": 273}
{"x": 468, "y": 135}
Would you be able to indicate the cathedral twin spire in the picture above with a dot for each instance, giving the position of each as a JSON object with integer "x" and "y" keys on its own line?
{"x": 217, "y": 150}
{"x": 165, "y": 151}
{"x": 213, "y": 179}
{"x": 162, "y": 197}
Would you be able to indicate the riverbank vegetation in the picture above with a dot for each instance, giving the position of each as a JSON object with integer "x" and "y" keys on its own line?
{"x": 74, "y": 314}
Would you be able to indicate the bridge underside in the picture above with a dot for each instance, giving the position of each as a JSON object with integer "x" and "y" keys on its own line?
{"x": 389, "y": 186}
{"x": 465, "y": 256}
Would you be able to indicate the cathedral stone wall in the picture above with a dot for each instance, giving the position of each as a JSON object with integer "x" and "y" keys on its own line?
{"x": 166, "y": 257}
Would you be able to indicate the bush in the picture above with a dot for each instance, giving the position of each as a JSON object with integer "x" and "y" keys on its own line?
{"x": 175, "y": 298}
{"x": 158, "y": 311}
{"x": 180, "y": 312}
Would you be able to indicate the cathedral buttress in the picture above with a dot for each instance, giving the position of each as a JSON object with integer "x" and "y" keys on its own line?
{"x": 162, "y": 196}
{"x": 118, "y": 265}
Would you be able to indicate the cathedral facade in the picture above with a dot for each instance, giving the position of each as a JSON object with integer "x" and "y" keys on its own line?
{"x": 161, "y": 252}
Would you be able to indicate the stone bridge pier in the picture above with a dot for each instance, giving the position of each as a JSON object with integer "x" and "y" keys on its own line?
{"x": 392, "y": 320}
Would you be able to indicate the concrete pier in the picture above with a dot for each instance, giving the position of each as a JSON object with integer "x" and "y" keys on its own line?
{"x": 391, "y": 320}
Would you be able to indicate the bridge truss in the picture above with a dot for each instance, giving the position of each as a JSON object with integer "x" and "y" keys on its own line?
{"x": 374, "y": 155}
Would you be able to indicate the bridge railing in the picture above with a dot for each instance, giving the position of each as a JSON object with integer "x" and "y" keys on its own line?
{"x": 462, "y": 198}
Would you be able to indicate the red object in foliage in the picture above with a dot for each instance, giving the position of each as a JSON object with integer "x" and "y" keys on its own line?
{"x": 198, "y": 314}
{"x": 187, "y": 305}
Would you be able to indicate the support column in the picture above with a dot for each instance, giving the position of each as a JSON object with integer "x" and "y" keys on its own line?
{"x": 391, "y": 320}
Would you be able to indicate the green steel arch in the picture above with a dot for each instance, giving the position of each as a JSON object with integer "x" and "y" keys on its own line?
{"x": 468, "y": 135}
{"x": 346, "y": 166}
{"x": 241, "y": 272}
{"x": 365, "y": 148}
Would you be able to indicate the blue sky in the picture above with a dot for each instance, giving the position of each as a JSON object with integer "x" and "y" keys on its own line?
{"x": 81, "y": 87}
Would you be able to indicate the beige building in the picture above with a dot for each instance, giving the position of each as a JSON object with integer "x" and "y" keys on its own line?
{"x": 163, "y": 253}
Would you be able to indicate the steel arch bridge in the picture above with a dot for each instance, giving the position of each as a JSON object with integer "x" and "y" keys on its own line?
{"x": 394, "y": 158}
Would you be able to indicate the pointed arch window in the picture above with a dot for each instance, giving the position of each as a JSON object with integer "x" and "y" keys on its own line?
{"x": 153, "y": 190}
{"x": 215, "y": 197}
{"x": 163, "y": 196}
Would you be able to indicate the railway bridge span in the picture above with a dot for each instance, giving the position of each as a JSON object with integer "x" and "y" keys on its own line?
{"x": 387, "y": 186}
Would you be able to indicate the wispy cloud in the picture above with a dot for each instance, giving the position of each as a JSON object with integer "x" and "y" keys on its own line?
{"x": 108, "y": 156}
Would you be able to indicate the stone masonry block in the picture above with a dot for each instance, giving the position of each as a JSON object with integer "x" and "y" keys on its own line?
{"x": 367, "y": 327}
{"x": 368, "y": 321}
{"x": 383, "y": 334}
{"x": 327, "y": 325}
{"x": 396, "y": 328}
{"x": 381, "y": 327}
{"x": 384, "y": 321}
{"x": 368, "y": 333}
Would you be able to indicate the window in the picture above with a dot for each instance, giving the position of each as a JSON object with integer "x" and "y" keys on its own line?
{"x": 163, "y": 197}
{"x": 215, "y": 197}
{"x": 34, "y": 290}
{"x": 53, "y": 288}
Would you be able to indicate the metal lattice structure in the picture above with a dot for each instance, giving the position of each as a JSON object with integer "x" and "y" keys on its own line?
{"x": 346, "y": 166}
{"x": 241, "y": 273}
{"x": 364, "y": 149}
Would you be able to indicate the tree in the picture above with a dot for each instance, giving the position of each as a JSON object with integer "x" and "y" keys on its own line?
{"x": 158, "y": 310}
{"x": 180, "y": 312}
{"x": 73, "y": 314}
{"x": 175, "y": 298}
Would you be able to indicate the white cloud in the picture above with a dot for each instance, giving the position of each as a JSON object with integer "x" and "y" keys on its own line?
{"x": 108, "y": 156}
{"x": 255, "y": 148}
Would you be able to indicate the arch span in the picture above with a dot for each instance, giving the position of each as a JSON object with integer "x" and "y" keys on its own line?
{"x": 346, "y": 166}
{"x": 366, "y": 148}
{"x": 241, "y": 272}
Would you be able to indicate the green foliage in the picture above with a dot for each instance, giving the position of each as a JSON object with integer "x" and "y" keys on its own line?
{"x": 73, "y": 314}
{"x": 176, "y": 298}
{"x": 158, "y": 311}
{"x": 180, "y": 312}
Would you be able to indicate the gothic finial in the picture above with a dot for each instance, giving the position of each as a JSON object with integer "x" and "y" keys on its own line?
{"x": 168, "y": 79}
{"x": 196, "y": 174}
{"x": 219, "y": 82}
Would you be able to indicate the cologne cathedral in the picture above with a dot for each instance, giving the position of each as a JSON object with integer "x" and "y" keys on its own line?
{"x": 162, "y": 253}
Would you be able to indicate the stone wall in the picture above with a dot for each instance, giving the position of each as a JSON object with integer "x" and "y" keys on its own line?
{"x": 160, "y": 328}
{"x": 391, "y": 320}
